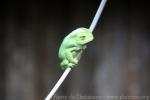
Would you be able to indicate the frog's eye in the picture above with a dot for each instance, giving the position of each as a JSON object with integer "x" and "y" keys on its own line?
{"x": 82, "y": 37}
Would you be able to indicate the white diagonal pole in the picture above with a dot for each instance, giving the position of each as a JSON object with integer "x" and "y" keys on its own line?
{"x": 55, "y": 88}
{"x": 97, "y": 15}
{"x": 66, "y": 72}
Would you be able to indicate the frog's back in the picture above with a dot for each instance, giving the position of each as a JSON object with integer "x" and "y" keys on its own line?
{"x": 62, "y": 49}
{"x": 68, "y": 40}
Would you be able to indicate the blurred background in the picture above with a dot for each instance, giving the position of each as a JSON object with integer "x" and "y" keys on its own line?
{"x": 116, "y": 63}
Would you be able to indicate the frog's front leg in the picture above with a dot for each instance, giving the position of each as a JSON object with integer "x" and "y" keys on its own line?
{"x": 70, "y": 58}
{"x": 75, "y": 48}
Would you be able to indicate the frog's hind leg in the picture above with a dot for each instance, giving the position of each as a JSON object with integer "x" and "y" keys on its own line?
{"x": 70, "y": 58}
{"x": 64, "y": 64}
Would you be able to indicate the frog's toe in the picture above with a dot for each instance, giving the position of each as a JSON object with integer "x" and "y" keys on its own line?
{"x": 71, "y": 65}
{"x": 75, "y": 61}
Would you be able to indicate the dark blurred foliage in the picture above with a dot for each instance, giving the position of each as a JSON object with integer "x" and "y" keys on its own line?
{"x": 116, "y": 63}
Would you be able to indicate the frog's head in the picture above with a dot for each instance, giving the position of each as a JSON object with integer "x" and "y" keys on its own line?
{"x": 83, "y": 36}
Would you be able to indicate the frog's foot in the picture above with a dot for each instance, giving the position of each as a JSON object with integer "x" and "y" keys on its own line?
{"x": 75, "y": 61}
{"x": 71, "y": 65}
{"x": 64, "y": 64}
